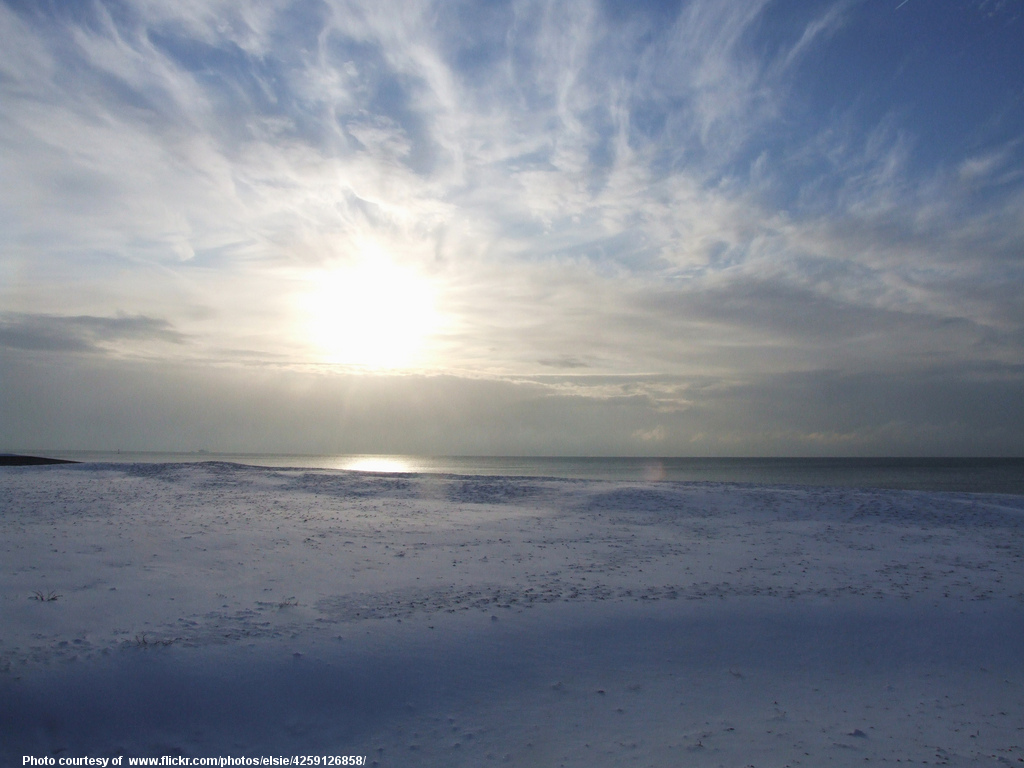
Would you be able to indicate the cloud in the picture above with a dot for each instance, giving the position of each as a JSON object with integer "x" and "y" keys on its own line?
{"x": 84, "y": 401}
{"x": 655, "y": 435}
{"x": 54, "y": 333}
{"x": 565, "y": 361}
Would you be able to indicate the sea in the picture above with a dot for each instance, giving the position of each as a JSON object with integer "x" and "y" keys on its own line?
{"x": 971, "y": 475}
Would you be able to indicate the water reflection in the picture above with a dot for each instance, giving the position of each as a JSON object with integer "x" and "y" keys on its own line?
{"x": 654, "y": 471}
{"x": 377, "y": 464}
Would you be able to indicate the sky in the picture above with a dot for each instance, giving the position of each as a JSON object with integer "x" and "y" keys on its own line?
{"x": 696, "y": 228}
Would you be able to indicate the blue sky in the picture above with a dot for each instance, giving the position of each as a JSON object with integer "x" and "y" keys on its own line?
{"x": 682, "y": 228}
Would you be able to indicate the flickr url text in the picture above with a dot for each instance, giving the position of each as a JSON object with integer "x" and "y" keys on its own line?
{"x": 222, "y": 762}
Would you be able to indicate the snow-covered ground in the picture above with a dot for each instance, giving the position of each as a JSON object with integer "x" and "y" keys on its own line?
{"x": 423, "y": 620}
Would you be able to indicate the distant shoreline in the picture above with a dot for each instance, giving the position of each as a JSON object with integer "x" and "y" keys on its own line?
{"x": 17, "y": 460}
{"x": 963, "y": 474}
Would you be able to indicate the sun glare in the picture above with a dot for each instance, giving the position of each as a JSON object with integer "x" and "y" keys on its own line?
{"x": 374, "y": 314}
{"x": 377, "y": 464}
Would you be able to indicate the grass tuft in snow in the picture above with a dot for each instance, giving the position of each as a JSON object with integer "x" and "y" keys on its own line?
{"x": 144, "y": 641}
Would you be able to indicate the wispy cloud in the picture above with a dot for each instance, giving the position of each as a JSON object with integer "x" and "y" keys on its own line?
{"x": 676, "y": 190}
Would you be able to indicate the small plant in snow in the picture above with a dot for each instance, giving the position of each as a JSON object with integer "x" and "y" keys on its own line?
{"x": 45, "y": 597}
{"x": 142, "y": 641}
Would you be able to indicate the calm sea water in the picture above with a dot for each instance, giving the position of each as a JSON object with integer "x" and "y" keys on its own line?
{"x": 979, "y": 475}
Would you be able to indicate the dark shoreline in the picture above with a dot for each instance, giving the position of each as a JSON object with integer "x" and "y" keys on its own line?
{"x": 15, "y": 460}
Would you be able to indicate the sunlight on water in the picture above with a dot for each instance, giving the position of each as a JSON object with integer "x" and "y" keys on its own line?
{"x": 654, "y": 471}
{"x": 377, "y": 464}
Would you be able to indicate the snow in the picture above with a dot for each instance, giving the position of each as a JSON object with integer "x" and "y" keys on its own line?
{"x": 216, "y": 609}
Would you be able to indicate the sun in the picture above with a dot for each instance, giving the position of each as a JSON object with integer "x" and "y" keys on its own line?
{"x": 374, "y": 314}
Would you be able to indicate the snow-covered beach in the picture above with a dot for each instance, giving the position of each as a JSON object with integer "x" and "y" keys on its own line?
{"x": 215, "y": 609}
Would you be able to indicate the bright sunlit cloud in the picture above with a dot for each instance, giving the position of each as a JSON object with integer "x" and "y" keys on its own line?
{"x": 374, "y": 314}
